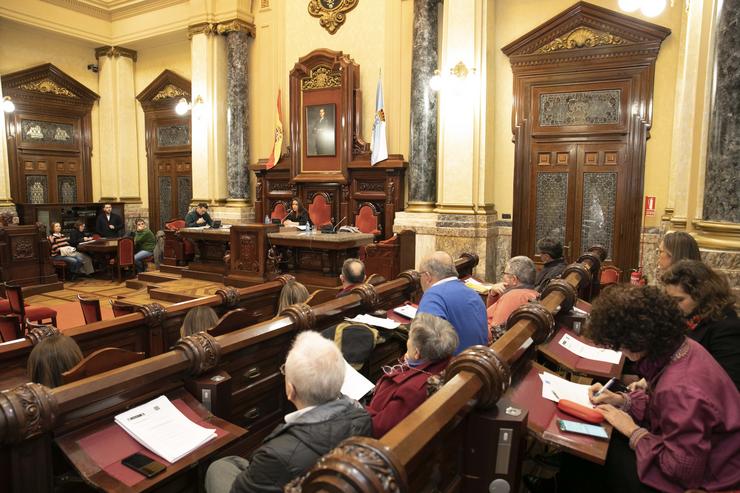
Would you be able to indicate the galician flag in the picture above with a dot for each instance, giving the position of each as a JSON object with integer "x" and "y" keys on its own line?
{"x": 380, "y": 143}
{"x": 277, "y": 144}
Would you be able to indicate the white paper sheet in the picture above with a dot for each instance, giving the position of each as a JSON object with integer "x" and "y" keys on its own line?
{"x": 355, "y": 385}
{"x": 162, "y": 428}
{"x": 374, "y": 321}
{"x": 589, "y": 352}
{"x": 555, "y": 388}
{"x": 407, "y": 311}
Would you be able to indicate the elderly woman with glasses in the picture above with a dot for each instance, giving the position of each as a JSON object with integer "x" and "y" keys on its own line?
{"x": 403, "y": 388}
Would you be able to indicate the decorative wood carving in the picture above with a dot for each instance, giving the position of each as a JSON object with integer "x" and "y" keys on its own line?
{"x": 248, "y": 260}
{"x": 154, "y": 314}
{"x": 358, "y": 464}
{"x": 583, "y": 89}
{"x": 413, "y": 277}
{"x": 492, "y": 371}
{"x": 22, "y": 248}
{"x": 285, "y": 278}
{"x": 369, "y": 295}
{"x": 331, "y": 13}
{"x": 302, "y": 315}
{"x": 38, "y": 334}
{"x": 537, "y": 314}
{"x": 321, "y": 78}
{"x": 583, "y": 272}
{"x": 561, "y": 286}
{"x": 229, "y": 295}
{"x": 202, "y": 351}
{"x": 27, "y": 411}
{"x": 48, "y": 86}
{"x": 170, "y": 91}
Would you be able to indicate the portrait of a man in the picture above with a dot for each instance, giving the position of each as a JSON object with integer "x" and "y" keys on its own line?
{"x": 320, "y": 130}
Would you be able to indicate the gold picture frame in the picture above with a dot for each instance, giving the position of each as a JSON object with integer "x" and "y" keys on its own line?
{"x": 331, "y": 13}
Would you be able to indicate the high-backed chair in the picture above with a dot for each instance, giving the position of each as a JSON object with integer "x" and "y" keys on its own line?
{"x": 124, "y": 258}
{"x": 279, "y": 210}
{"x": 392, "y": 256}
{"x": 375, "y": 279}
{"x": 5, "y": 307}
{"x": 609, "y": 275}
{"x": 231, "y": 321}
{"x": 100, "y": 361}
{"x": 367, "y": 219}
{"x": 9, "y": 328}
{"x": 175, "y": 246}
{"x": 319, "y": 210}
{"x": 90, "y": 309}
{"x": 23, "y": 312}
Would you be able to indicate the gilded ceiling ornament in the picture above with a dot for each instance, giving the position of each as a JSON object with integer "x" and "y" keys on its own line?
{"x": 48, "y": 86}
{"x": 331, "y": 13}
{"x": 235, "y": 25}
{"x": 115, "y": 52}
{"x": 581, "y": 37}
{"x": 170, "y": 91}
{"x": 206, "y": 28}
{"x": 322, "y": 77}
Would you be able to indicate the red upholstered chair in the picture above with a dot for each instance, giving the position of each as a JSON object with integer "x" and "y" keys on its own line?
{"x": 124, "y": 258}
{"x": 319, "y": 210}
{"x": 279, "y": 211}
{"x": 175, "y": 224}
{"x": 23, "y": 312}
{"x": 609, "y": 275}
{"x": 181, "y": 249}
{"x": 96, "y": 236}
{"x": 366, "y": 219}
{"x": 90, "y": 309}
{"x": 5, "y": 307}
{"x": 9, "y": 329}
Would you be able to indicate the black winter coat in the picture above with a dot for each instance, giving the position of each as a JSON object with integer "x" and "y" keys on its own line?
{"x": 722, "y": 339}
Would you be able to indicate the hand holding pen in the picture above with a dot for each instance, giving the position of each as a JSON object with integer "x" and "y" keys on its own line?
{"x": 600, "y": 394}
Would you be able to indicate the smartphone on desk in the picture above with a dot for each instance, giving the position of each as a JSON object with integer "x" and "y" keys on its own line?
{"x": 582, "y": 428}
{"x": 143, "y": 465}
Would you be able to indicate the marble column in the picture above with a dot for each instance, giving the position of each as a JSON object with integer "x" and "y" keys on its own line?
{"x": 6, "y": 204}
{"x": 721, "y": 193}
{"x": 423, "y": 142}
{"x": 237, "y": 113}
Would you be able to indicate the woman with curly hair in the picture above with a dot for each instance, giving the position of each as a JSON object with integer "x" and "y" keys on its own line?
{"x": 706, "y": 301}
{"x": 684, "y": 428}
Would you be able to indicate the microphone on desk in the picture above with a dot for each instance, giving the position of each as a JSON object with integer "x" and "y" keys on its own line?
{"x": 340, "y": 222}
{"x": 499, "y": 486}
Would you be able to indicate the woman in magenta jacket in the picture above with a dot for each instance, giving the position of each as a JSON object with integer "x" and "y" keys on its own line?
{"x": 432, "y": 341}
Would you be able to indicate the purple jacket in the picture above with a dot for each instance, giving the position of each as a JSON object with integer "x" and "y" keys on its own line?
{"x": 692, "y": 414}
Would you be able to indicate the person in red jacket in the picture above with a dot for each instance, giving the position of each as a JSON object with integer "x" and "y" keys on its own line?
{"x": 403, "y": 388}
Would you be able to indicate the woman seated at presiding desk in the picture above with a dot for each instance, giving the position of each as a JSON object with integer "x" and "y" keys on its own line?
{"x": 297, "y": 215}
{"x": 61, "y": 249}
{"x": 682, "y": 430}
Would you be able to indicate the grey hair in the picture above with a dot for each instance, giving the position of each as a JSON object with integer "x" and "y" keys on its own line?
{"x": 439, "y": 265}
{"x": 433, "y": 337}
{"x": 315, "y": 367}
{"x": 523, "y": 268}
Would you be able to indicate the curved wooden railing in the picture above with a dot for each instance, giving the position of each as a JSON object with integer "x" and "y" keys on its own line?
{"x": 480, "y": 374}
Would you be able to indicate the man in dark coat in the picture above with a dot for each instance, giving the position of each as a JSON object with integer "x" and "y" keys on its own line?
{"x": 198, "y": 216}
{"x": 109, "y": 224}
{"x": 314, "y": 373}
{"x": 551, "y": 253}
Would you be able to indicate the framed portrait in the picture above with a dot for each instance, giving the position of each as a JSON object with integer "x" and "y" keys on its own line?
{"x": 320, "y": 125}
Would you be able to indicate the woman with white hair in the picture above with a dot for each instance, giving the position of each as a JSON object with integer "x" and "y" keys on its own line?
{"x": 314, "y": 373}
{"x": 403, "y": 388}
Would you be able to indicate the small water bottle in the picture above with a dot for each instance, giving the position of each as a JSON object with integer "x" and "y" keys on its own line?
{"x": 267, "y": 219}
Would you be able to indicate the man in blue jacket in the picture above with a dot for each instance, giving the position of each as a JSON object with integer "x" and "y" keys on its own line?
{"x": 447, "y": 297}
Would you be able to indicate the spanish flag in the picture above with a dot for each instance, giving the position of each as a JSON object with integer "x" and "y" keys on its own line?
{"x": 277, "y": 144}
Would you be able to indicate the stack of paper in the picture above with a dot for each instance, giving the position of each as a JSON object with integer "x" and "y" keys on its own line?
{"x": 355, "y": 385}
{"x": 478, "y": 286}
{"x": 555, "y": 388}
{"x": 383, "y": 323}
{"x": 590, "y": 352}
{"x": 162, "y": 428}
{"x": 407, "y": 311}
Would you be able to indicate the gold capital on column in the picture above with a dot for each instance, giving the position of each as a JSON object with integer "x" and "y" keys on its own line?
{"x": 236, "y": 25}
{"x": 207, "y": 28}
{"x": 115, "y": 52}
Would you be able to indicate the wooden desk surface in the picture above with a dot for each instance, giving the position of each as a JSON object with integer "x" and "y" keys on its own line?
{"x": 339, "y": 241}
{"x": 102, "y": 245}
{"x": 566, "y": 359}
{"x": 543, "y": 415}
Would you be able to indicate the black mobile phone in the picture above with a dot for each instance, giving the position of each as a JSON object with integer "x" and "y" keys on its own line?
{"x": 143, "y": 465}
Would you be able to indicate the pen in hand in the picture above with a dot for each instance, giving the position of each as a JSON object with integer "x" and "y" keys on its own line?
{"x": 605, "y": 387}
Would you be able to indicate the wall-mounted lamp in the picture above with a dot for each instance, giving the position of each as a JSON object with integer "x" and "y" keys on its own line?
{"x": 457, "y": 74}
{"x": 649, "y": 8}
{"x": 8, "y": 105}
{"x": 182, "y": 106}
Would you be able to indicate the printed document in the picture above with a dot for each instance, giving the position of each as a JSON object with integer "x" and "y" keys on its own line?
{"x": 590, "y": 352}
{"x": 383, "y": 323}
{"x": 162, "y": 428}
{"x": 555, "y": 388}
{"x": 407, "y": 311}
{"x": 355, "y": 385}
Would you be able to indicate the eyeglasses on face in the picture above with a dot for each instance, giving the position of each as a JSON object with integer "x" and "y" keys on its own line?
{"x": 282, "y": 369}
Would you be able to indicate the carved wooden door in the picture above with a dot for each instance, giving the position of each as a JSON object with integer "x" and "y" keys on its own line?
{"x": 174, "y": 188}
{"x": 49, "y": 179}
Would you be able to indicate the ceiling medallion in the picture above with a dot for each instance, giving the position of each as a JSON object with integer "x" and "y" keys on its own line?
{"x": 331, "y": 13}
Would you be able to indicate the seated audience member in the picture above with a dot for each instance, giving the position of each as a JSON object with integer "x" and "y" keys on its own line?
{"x": 353, "y": 274}
{"x": 551, "y": 253}
{"x": 314, "y": 373}
{"x": 51, "y": 357}
{"x": 78, "y": 262}
{"x": 144, "y": 244}
{"x": 197, "y": 320}
{"x": 79, "y": 235}
{"x": 447, "y": 297}
{"x": 198, "y": 216}
{"x": 293, "y": 292}
{"x": 680, "y": 433}
{"x": 403, "y": 388}
{"x": 108, "y": 223}
{"x": 518, "y": 289}
{"x": 298, "y": 214}
{"x": 675, "y": 246}
{"x": 706, "y": 301}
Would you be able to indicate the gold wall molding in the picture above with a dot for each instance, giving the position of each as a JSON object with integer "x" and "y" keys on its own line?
{"x": 418, "y": 206}
{"x": 115, "y": 52}
{"x": 48, "y": 86}
{"x": 225, "y": 27}
{"x": 581, "y": 37}
{"x": 331, "y": 13}
{"x": 207, "y": 28}
{"x": 170, "y": 91}
{"x": 322, "y": 77}
{"x": 717, "y": 235}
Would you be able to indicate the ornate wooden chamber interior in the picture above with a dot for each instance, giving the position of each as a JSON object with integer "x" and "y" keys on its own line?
{"x": 583, "y": 92}
{"x": 342, "y": 179}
